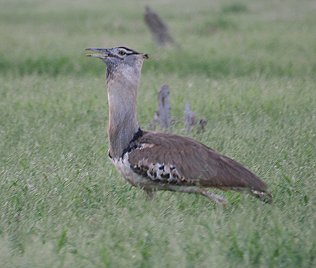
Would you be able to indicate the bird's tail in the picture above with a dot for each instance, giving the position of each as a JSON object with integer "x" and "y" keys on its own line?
{"x": 262, "y": 195}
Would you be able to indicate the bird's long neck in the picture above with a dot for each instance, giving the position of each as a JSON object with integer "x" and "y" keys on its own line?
{"x": 122, "y": 98}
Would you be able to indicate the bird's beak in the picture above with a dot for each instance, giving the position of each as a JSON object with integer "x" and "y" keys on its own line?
{"x": 102, "y": 53}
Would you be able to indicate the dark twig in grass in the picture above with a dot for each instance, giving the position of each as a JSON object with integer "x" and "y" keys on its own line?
{"x": 162, "y": 116}
{"x": 191, "y": 121}
{"x": 158, "y": 28}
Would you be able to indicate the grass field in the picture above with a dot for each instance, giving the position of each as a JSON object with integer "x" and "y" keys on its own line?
{"x": 246, "y": 66}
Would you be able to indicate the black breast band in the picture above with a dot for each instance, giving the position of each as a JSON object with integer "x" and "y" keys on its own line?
{"x": 132, "y": 145}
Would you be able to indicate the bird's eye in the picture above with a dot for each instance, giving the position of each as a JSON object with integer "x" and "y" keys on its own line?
{"x": 122, "y": 53}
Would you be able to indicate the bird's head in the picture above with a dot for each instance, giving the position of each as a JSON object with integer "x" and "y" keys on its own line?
{"x": 118, "y": 57}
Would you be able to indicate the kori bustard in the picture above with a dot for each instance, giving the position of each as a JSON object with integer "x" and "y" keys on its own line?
{"x": 157, "y": 161}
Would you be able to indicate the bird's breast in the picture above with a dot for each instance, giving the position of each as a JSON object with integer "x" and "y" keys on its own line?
{"x": 123, "y": 166}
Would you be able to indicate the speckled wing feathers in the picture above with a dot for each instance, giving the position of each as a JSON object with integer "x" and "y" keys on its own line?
{"x": 172, "y": 159}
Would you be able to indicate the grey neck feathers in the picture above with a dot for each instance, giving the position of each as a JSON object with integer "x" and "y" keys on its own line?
{"x": 122, "y": 97}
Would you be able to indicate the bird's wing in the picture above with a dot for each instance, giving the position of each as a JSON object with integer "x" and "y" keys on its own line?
{"x": 174, "y": 159}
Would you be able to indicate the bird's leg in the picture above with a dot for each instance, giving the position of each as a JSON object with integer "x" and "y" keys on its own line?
{"x": 149, "y": 194}
{"x": 219, "y": 200}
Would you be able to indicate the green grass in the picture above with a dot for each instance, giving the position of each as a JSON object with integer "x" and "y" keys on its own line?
{"x": 248, "y": 67}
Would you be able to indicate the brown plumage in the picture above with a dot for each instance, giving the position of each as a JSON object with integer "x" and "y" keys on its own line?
{"x": 196, "y": 164}
{"x": 159, "y": 161}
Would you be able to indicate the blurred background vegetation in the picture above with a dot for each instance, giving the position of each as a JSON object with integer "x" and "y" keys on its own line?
{"x": 273, "y": 38}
